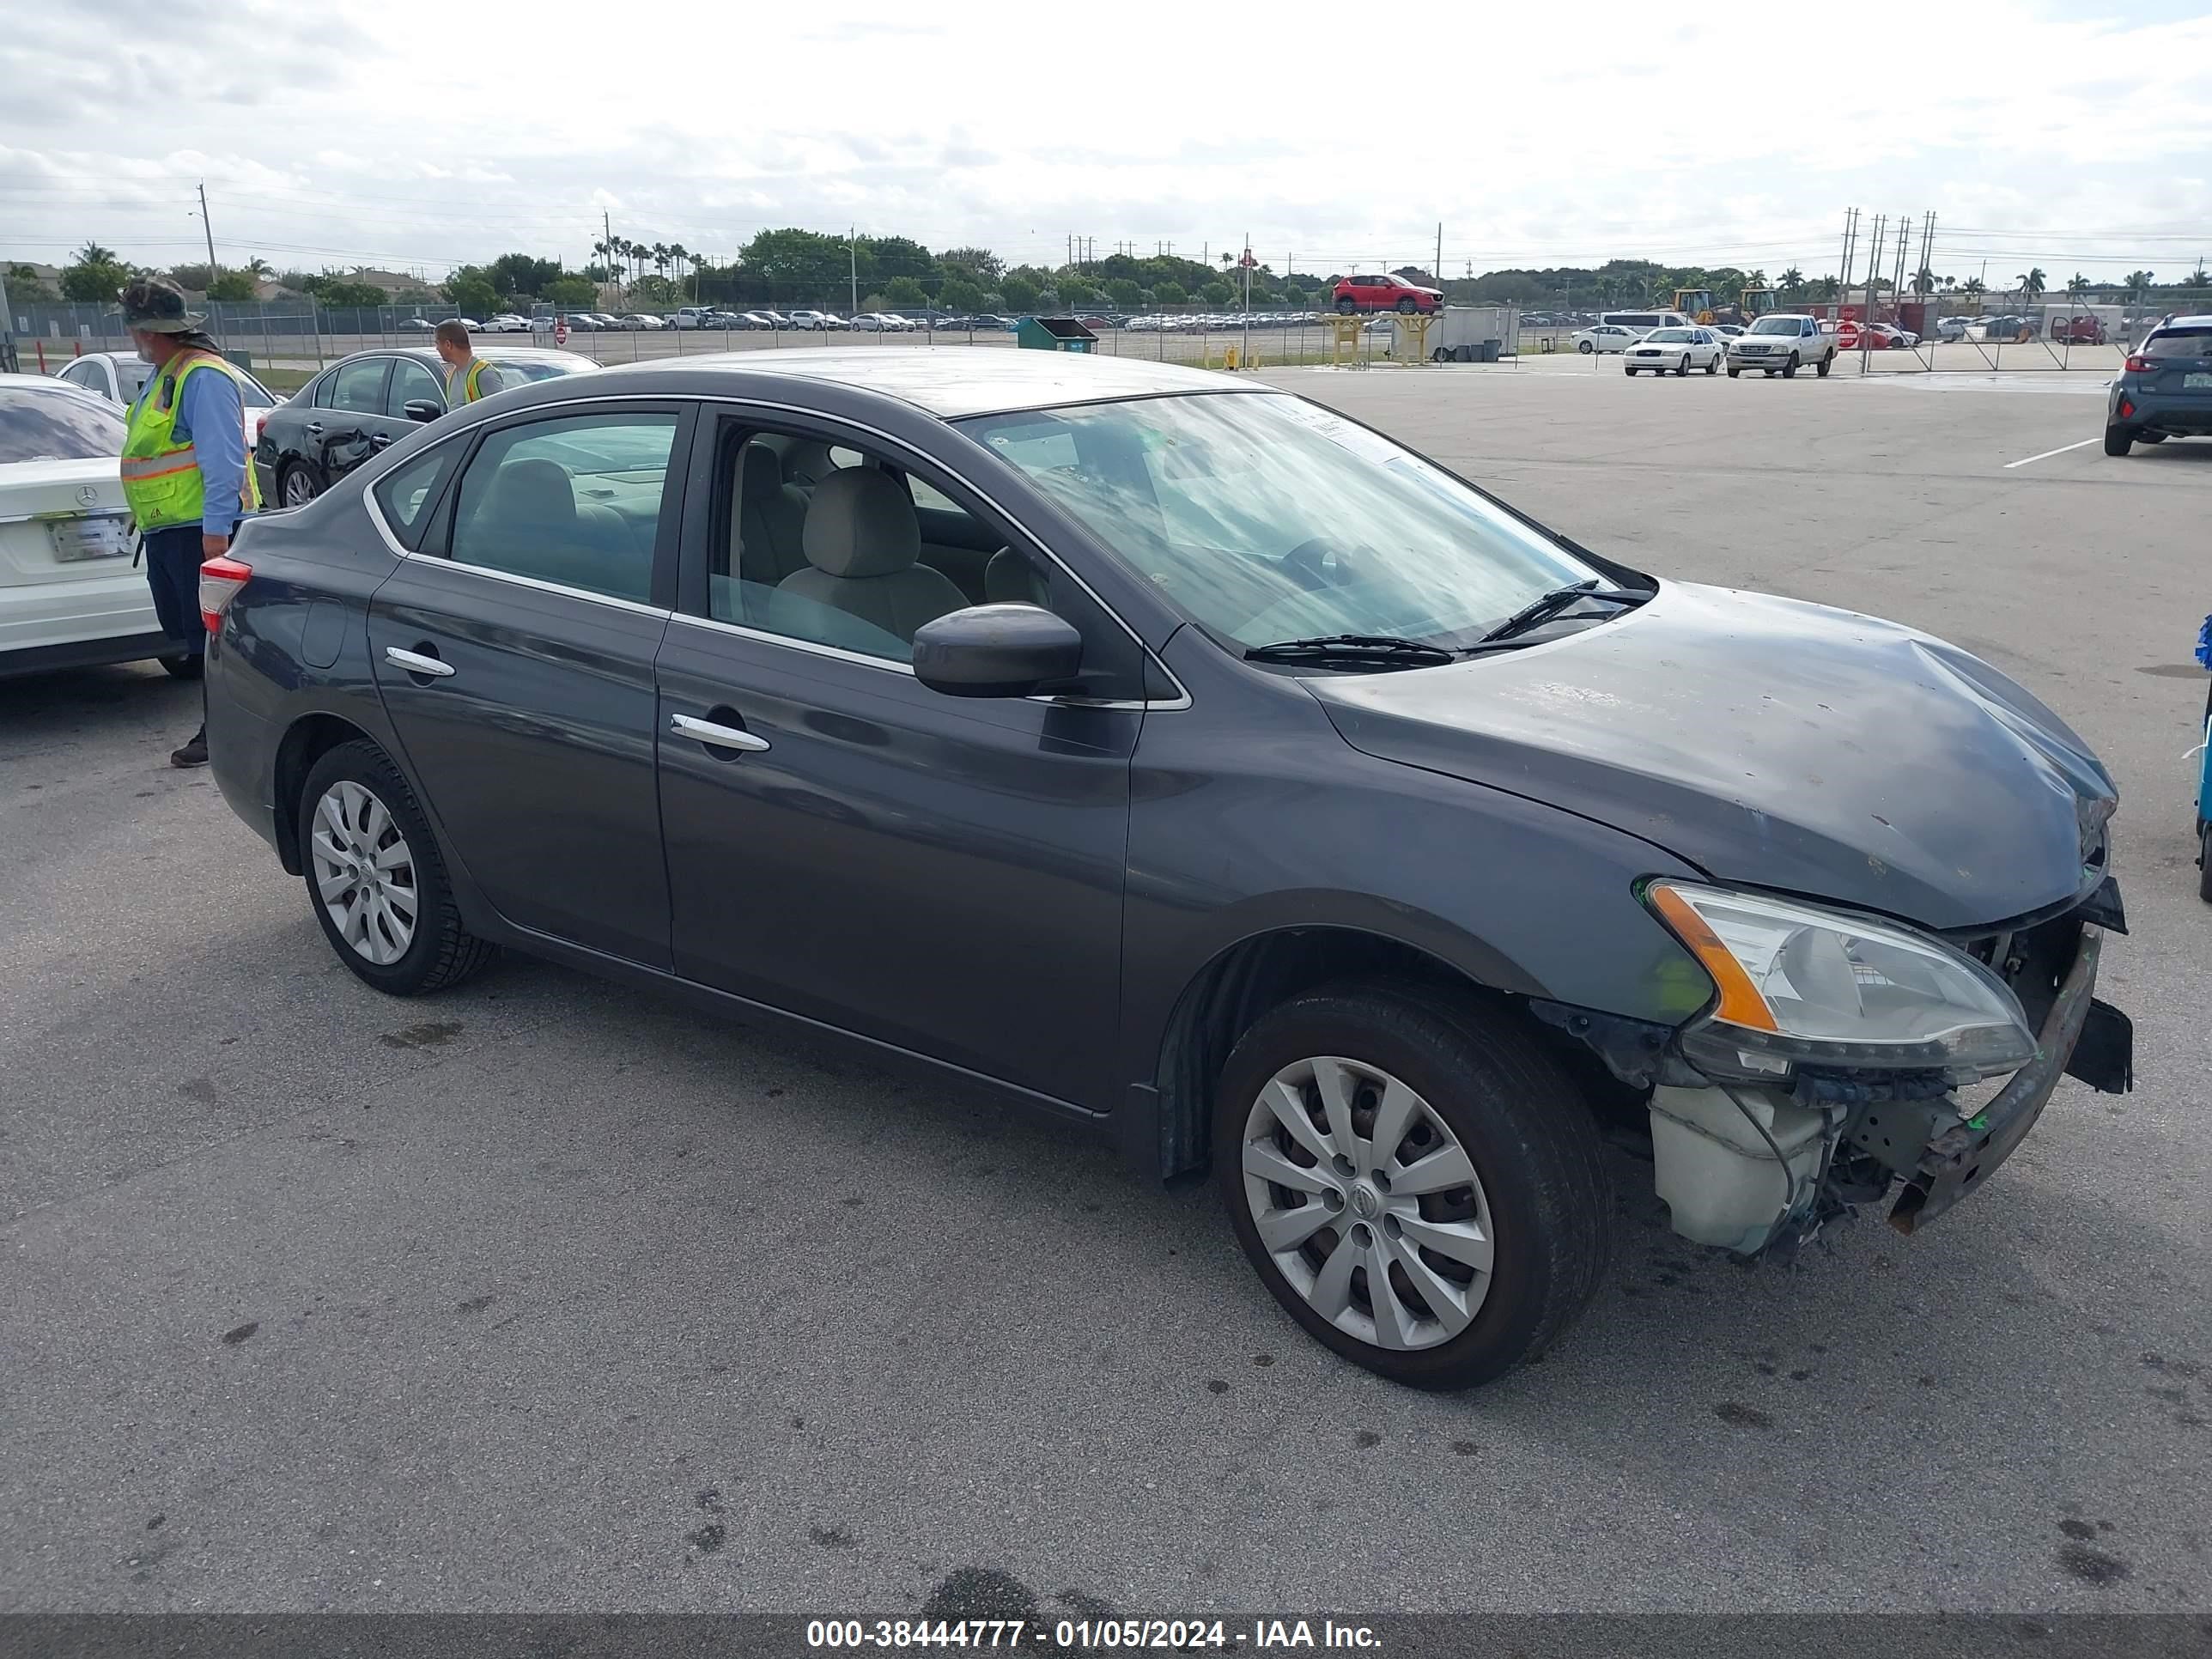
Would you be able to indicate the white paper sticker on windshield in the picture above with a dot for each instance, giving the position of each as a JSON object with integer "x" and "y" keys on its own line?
{"x": 1346, "y": 434}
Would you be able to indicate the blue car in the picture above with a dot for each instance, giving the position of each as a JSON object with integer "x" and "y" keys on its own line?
{"x": 2165, "y": 389}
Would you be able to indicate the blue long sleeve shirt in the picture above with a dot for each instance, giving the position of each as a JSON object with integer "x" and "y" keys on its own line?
{"x": 211, "y": 417}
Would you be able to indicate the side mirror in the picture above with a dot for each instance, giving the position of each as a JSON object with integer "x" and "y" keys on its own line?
{"x": 996, "y": 651}
{"x": 422, "y": 409}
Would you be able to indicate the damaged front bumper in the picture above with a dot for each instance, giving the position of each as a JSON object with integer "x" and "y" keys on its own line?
{"x": 1748, "y": 1166}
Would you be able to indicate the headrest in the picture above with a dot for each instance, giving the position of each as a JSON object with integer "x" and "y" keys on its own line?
{"x": 860, "y": 524}
{"x": 760, "y": 472}
{"x": 533, "y": 489}
{"x": 805, "y": 461}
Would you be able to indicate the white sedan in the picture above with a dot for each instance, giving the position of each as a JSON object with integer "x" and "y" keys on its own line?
{"x": 120, "y": 376}
{"x": 1605, "y": 337}
{"x": 68, "y": 596}
{"x": 1676, "y": 350}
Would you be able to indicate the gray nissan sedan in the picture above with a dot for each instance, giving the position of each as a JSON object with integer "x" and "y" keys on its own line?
{"x": 1185, "y": 760}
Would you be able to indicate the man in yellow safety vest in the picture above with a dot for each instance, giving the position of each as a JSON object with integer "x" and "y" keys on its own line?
{"x": 186, "y": 476}
{"x": 468, "y": 377}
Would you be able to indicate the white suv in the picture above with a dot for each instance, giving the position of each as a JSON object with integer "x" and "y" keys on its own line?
{"x": 1781, "y": 343}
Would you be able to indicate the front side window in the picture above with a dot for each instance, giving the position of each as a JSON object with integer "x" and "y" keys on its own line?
{"x": 412, "y": 383}
{"x": 1265, "y": 518}
{"x": 576, "y": 500}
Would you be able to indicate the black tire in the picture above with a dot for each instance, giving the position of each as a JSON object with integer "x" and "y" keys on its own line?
{"x": 1772, "y": 372}
{"x": 1713, "y": 366}
{"x": 1525, "y": 1127}
{"x": 442, "y": 952}
{"x": 1826, "y": 363}
{"x": 1585, "y": 347}
{"x": 190, "y": 668}
{"x": 2118, "y": 440}
{"x": 1683, "y": 368}
{"x": 1408, "y": 306}
{"x": 1629, "y": 369}
{"x": 2205, "y": 864}
{"x": 292, "y": 478}
{"x": 1734, "y": 373}
{"x": 1345, "y": 307}
{"x": 1790, "y": 368}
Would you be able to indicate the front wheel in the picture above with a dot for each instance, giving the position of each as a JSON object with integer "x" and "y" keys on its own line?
{"x": 1414, "y": 1179}
{"x": 1407, "y": 307}
{"x": 1826, "y": 363}
{"x": 2205, "y": 864}
{"x": 1683, "y": 368}
{"x": 2118, "y": 440}
{"x": 1734, "y": 373}
{"x": 1585, "y": 347}
{"x": 375, "y": 877}
{"x": 1790, "y": 369}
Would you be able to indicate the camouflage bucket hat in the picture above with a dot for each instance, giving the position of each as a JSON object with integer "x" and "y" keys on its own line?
{"x": 157, "y": 305}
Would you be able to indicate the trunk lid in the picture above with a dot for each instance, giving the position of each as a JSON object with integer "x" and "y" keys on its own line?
{"x": 62, "y": 522}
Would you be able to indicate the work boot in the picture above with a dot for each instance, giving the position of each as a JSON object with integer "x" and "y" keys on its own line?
{"x": 194, "y": 753}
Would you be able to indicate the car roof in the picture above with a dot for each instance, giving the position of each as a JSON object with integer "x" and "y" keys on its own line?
{"x": 47, "y": 383}
{"x": 490, "y": 354}
{"x": 949, "y": 382}
{"x": 2204, "y": 321}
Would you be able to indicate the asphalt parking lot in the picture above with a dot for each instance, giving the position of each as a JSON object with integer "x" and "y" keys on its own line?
{"x": 544, "y": 1293}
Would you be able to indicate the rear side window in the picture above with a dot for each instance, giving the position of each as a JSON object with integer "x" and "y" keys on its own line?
{"x": 359, "y": 387}
{"x": 406, "y": 493}
{"x": 2179, "y": 342}
{"x": 412, "y": 383}
{"x": 576, "y": 502}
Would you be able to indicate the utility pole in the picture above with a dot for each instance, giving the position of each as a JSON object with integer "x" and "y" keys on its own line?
{"x": 7, "y": 328}
{"x": 853, "y": 248}
{"x": 1438, "y": 272}
{"x": 209, "y": 228}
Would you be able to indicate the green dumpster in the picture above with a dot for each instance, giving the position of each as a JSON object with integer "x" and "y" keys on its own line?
{"x": 1052, "y": 334}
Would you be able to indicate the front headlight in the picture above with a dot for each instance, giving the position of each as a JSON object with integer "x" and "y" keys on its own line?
{"x": 1799, "y": 984}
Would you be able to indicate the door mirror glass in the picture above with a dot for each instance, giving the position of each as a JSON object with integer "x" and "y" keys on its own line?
{"x": 996, "y": 651}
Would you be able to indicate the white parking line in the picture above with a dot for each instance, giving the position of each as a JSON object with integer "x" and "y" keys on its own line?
{"x": 2048, "y": 454}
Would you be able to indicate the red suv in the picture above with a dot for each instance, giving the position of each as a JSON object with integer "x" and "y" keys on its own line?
{"x": 1385, "y": 294}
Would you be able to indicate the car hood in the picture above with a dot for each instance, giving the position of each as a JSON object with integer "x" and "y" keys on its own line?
{"x": 1773, "y": 744}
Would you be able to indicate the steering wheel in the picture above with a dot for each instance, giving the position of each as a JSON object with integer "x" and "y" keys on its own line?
{"x": 1304, "y": 563}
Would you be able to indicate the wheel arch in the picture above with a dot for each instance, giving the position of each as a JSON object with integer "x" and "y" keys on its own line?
{"x": 305, "y": 741}
{"x": 1242, "y": 983}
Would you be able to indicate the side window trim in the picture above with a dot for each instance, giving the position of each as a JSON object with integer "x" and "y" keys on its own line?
{"x": 667, "y": 537}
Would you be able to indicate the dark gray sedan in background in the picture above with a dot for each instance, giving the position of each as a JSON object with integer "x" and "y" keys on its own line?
{"x": 1185, "y": 760}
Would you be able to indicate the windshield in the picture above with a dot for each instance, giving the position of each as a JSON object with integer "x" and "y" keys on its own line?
{"x": 1676, "y": 336}
{"x": 1775, "y": 326}
{"x": 57, "y": 426}
{"x": 134, "y": 372}
{"x": 1267, "y": 518}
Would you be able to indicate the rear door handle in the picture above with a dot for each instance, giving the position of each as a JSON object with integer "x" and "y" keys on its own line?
{"x": 416, "y": 663}
{"x": 380, "y": 439}
{"x": 716, "y": 737}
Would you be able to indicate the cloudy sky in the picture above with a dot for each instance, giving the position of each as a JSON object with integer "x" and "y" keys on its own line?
{"x": 2076, "y": 136}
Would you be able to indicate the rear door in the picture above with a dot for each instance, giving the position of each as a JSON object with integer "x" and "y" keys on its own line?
{"x": 514, "y": 652}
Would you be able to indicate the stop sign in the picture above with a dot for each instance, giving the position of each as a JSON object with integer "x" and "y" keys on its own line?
{"x": 561, "y": 332}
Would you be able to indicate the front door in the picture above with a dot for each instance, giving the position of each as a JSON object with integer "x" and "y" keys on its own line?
{"x": 941, "y": 874}
{"x": 515, "y": 658}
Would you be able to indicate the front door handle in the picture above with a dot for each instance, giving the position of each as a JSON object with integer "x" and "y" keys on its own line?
{"x": 416, "y": 663}
{"x": 315, "y": 426}
{"x": 716, "y": 737}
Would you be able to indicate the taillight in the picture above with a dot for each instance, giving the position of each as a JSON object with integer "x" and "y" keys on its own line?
{"x": 260, "y": 428}
{"x": 2138, "y": 365}
{"x": 220, "y": 581}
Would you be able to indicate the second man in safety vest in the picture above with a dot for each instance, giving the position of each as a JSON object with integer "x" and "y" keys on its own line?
{"x": 468, "y": 377}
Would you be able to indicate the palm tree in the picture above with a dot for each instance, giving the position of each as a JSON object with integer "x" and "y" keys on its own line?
{"x": 1757, "y": 279}
{"x": 1793, "y": 282}
{"x": 1971, "y": 285}
{"x": 2076, "y": 286}
{"x": 2200, "y": 277}
{"x": 2030, "y": 282}
{"x": 1923, "y": 279}
{"x": 257, "y": 268}
{"x": 92, "y": 254}
{"x": 677, "y": 253}
{"x": 2140, "y": 280}
{"x": 658, "y": 254}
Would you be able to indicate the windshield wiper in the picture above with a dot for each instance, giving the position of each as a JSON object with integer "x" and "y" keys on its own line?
{"x": 1560, "y": 599}
{"x": 1365, "y": 649}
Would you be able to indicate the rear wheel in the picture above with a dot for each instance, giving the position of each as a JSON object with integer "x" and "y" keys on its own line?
{"x": 2118, "y": 440}
{"x": 1713, "y": 364}
{"x": 2205, "y": 864}
{"x": 376, "y": 880}
{"x": 1585, "y": 347}
{"x": 295, "y": 485}
{"x": 1417, "y": 1182}
{"x": 1345, "y": 307}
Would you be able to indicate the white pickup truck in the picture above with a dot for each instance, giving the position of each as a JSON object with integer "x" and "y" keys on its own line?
{"x": 1782, "y": 342}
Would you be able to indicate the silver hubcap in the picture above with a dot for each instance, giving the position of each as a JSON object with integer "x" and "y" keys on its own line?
{"x": 363, "y": 873}
{"x": 1367, "y": 1203}
{"x": 299, "y": 489}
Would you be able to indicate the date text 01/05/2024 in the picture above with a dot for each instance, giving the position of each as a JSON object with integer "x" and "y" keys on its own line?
{"x": 1170, "y": 1635}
